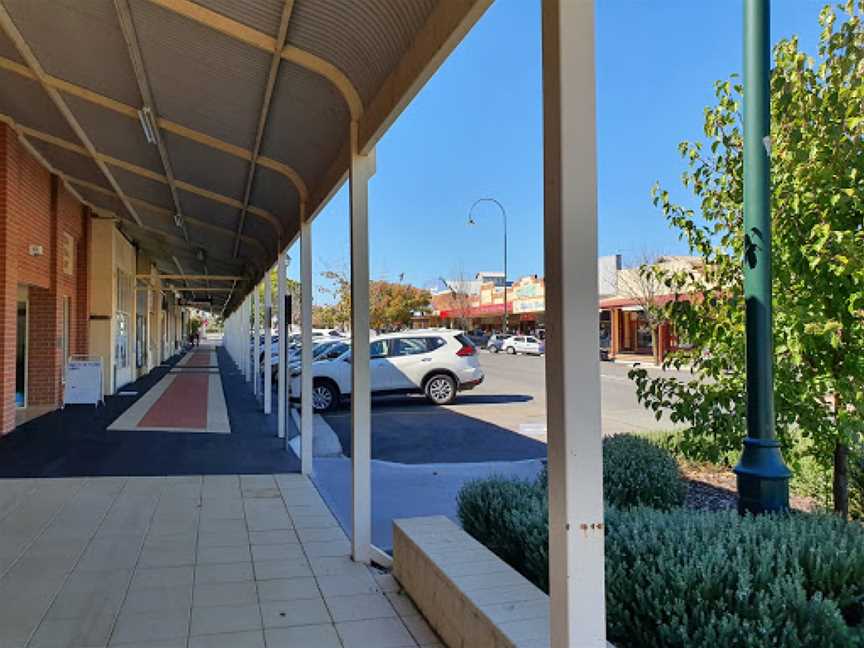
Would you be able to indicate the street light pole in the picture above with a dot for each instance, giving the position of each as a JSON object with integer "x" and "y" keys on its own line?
{"x": 504, "y": 217}
{"x": 763, "y": 478}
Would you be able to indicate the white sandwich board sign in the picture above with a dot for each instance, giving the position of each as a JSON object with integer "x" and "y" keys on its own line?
{"x": 83, "y": 381}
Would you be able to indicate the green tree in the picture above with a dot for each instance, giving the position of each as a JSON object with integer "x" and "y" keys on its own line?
{"x": 817, "y": 174}
{"x": 391, "y": 305}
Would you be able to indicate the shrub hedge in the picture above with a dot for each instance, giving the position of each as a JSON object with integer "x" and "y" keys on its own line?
{"x": 688, "y": 578}
{"x": 637, "y": 472}
{"x": 692, "y": 578}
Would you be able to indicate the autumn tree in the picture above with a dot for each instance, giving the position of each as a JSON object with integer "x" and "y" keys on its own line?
{"x": 817, "y": 177}
{"x": 391, "y": 305}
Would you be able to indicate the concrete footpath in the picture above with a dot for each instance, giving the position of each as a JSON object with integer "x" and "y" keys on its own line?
{"x": 407, "y": 490}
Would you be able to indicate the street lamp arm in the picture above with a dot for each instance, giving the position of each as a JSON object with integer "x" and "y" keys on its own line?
{"x": 504, "y": 218}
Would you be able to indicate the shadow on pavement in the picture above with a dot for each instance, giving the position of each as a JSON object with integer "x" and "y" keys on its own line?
{"x": 75, "y": 442}
{"x": 436, "y": 435}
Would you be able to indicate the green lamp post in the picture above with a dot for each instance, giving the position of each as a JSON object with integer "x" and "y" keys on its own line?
{"x": 763, "y": 478}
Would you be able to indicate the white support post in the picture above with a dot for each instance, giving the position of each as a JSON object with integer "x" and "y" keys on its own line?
{"x": 247, "y": 337}
{"x": 284, "y": 327}
{"x": 306, "y": 421}
{"x": 268, "y": 343}
{"x": 576, "y": 534}
{"x": 361, "y": 170}
{"x": 256, "y": 345}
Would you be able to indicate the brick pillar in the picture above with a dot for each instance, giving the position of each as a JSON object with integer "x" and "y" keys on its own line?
{"x": 45, "y": 366}
{"x": 82, "y": 285}
{"x": 8, "y": 289}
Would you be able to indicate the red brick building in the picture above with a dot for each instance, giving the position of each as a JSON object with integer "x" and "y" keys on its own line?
{"x": 60, "y": 290}
{"x": 44, "y": 244}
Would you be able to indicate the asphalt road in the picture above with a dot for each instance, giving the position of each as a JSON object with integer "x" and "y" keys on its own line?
{"x": 504, "y": 419}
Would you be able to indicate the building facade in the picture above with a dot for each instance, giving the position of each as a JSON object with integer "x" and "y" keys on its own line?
{"x": 68, "y": 283}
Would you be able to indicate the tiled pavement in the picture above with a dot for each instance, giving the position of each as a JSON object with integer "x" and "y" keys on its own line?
{"x": 219, "y": 561}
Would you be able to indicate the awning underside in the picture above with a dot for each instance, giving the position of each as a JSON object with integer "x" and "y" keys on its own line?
{"x": 228, "y": 113}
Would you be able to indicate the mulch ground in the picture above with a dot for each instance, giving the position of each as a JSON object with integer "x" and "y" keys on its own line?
{"x": 712, "y": 488}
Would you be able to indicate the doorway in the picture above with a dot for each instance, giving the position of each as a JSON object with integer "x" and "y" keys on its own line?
{"x": 21, "y": 347}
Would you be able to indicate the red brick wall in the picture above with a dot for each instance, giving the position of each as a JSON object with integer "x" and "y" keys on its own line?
{"x": 8, "y": 292}
{"x": 36, "y": 209}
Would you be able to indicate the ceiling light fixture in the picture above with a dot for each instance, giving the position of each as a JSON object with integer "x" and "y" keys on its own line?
{"x": 145, "y": 116}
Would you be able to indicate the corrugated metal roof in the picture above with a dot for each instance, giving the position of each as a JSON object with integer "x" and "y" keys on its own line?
{"x": 8, "y": 49}
{"x": 211, "y": 83}
{"x": 137, "y": 186}
{"x": 24, "y": 101}
{"x": 99, "y": 199}
{"x": 209, "y": 211}
{"x": 276, "y": 193}
{"x": 205, "y": 167}
{"x": 71, "y": 163}
{"x": 308, "y": 124}
{"x": 263, "y": 15}
{"x": 47, "y": 26}
{"x": 200, "y": 77}
{"x": 114, "y": 134}
{"x": 363, "y": 39}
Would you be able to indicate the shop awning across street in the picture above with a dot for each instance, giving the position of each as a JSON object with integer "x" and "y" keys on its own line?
{"x": 214, "y": 131}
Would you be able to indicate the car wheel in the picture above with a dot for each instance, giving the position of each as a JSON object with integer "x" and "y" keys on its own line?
{"x": 493, "y": 349}
{"x": 511, "y": 350}
{"x": 325, "y": 396}
{"x": 441, "y": 389}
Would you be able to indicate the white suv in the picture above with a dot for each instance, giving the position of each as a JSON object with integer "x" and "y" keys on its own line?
{"x": 527, "y": 344}
{"x": 437, "y": 363}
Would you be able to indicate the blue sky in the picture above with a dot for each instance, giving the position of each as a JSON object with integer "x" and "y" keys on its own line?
{"x": 476, "y": 130}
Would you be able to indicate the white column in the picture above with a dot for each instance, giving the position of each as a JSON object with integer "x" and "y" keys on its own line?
{"x": 282, "y": 387}
{"x": 306, "y": 413}
{"x": 268, "y": 342}
{"x": 247, "y": 339}
{"x": 362, "y": 168}
{"x": 576, "y": 535}
{"x": 256, "y": 345}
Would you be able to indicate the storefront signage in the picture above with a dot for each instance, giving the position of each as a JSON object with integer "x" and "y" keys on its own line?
{"x": 83, "y": 381}
{"x": 529, "y": 305}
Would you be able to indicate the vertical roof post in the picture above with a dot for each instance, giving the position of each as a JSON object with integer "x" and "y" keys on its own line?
{"x": 307, "y": 441}
{"x": 576, "y": 534}
{"x": 360, "y": 171}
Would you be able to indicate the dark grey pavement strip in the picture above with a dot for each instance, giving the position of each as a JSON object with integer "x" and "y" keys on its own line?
{"x": 75, "y": 441}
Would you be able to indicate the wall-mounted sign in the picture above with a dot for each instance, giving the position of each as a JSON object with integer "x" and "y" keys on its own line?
{"x": 67, "y": 253}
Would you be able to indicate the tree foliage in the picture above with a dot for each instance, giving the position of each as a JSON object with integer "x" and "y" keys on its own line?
{"x": 817, "y": 176}
{"x": 391, "y": 305}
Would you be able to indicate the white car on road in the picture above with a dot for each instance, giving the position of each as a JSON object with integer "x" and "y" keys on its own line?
{"x": 527, "y": 344}
{"x": 437, "y": 363}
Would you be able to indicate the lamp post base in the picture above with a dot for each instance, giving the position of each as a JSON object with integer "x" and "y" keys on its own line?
{"x": 763, "y": 478}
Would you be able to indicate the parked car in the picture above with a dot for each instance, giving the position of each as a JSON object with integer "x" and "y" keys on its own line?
{"x": 495, "y": 342}
{"x": 329, "y": 350}
{"x": 527, "y": 344}
{"x": 322, "y": 349}
{"x": 437, "y": 363}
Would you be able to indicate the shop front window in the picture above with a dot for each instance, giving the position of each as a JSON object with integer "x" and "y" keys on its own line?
{"x": 643, "y": 333}
{"x": 605, "y": 329}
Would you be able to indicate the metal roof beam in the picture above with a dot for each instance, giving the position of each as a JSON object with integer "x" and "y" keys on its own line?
{"x": 194, "y": 277}
{"x": 218, "y": 229}
{"x": 287, "y": 9}
{"x": 8, "y": 26}
{"x": 167, "y": 125}
{"x": 262, "y": 41}
{"x": 124, "y": 17}
{"x": 101, "y": 158}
